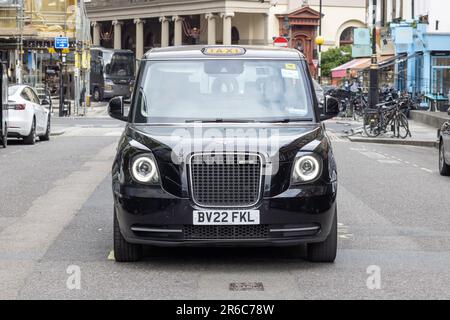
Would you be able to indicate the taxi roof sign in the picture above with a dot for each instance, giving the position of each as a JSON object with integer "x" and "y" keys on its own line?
{"x": 224, "y": 51}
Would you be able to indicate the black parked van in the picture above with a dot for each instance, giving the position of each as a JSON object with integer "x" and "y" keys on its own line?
{"x": 224, "y": 146}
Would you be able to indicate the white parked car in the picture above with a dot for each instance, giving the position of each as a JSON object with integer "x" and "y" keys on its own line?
{"x": 28, "y": 116}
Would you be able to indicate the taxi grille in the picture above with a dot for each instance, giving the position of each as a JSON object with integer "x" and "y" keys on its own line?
{"x": 226, "y": 180}
{"x": 226, "y": 232}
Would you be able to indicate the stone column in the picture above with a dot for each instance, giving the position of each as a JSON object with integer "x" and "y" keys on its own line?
{"x": 117, "y": 34}
{"x": 178, "y": 31}
{"x": 139, "y": 37}
{"x": 211, "y": 18}
{"x": 96, "y": 34}
{"x": 164, "y": 31}
{"x": 227, "y": 16}
{"x": 267, "y": 39}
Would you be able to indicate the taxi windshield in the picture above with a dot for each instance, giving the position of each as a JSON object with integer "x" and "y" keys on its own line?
{"x": 223, "y": 90}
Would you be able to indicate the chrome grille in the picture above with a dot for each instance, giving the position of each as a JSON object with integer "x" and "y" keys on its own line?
{"x": 226, "y": 180}
{"x": 226, "y": 232}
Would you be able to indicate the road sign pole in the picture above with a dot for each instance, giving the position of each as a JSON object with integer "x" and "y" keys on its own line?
{"x": 61, "y": 85}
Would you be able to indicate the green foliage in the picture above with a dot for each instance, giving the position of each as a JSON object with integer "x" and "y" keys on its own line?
{"x": 335, "y": 57}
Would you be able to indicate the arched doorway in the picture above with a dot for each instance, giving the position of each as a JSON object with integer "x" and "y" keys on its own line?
{"x": 305, "y": 44}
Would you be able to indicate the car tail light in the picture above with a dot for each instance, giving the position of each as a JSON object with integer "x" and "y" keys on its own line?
{"x": 19, "y": 107}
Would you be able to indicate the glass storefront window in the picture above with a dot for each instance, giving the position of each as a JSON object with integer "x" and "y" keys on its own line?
{"x": 441, "y": 75}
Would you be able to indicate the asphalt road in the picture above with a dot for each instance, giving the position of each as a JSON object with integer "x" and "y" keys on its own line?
{"x": 56, "y": 216}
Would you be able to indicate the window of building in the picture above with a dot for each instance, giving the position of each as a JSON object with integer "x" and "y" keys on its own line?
{"x": 441, "y": 74}
{"x": 347, "y": 37}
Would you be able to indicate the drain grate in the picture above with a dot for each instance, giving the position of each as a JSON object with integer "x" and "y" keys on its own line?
{"x": 246, "y": 286}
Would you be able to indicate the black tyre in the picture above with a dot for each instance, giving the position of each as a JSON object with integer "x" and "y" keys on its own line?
{"x": 123, "y": 250}
{"x": 403, "y": 127}
{"x": 444, "y": 168}
{"x": 46, "y": 136}
{"x": 5, "y": 138}
{"x": 371, "y": 127}
{"x": 31, "y": 138}
{"x": 325, "y": 252}
{"x": 97, "y": 95}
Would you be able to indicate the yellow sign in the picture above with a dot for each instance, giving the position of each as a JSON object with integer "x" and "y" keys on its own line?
{"x": 51, "y": 50}
{"x": 66, "y": 51}
{"x": 224, "y": 51}
{"x": 291, "y": 66}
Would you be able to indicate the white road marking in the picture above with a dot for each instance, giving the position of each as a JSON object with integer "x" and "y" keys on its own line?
{"x": 373, "y": 155}
{"x": 426, "y": 170}
{"x": 387, "y": 161}
{"x": 26, "y": 241}
{"x": 111, "y": 256}
{"x": 336, "y": 138}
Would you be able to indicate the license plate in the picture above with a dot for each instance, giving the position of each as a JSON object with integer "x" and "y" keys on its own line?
{"x": 226, "y": 217}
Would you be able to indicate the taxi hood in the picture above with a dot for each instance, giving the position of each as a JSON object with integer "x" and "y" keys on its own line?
{"x": 284, "y": 141}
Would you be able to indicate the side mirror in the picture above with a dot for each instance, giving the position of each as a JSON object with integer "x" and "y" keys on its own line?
{"x": 330, "y": 108}
{"x": 108, "y": 68}
{"x": 116, "y": 109}
{"x": 45, "y": 102}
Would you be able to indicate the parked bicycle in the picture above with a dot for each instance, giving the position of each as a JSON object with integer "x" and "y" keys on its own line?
{"x": 387, "y": 118}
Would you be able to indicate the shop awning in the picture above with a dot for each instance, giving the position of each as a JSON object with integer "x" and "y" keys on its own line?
{"x": 341, "y": 71}
{"x": 411, "y": 56}
{"x": 391, "y": 61}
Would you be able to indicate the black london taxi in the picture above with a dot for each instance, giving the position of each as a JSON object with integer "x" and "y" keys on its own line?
{"x": 444, "y": 149}
{"x": 224, "y": 146}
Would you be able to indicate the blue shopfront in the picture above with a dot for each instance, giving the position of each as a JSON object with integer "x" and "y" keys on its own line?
{"x": 423, "y": 65}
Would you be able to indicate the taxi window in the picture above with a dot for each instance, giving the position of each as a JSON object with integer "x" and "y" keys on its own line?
{"x": 254, "y": 90}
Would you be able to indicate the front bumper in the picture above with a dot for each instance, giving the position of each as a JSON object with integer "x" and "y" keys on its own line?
{"x": 295, "y": 217}
{"x": 117, "y": 90}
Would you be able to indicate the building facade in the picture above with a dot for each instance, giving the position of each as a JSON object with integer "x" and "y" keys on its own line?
{"x": 420, "y": 31}
{"x": 140, "y": 25}
{"x": 27, "y": 33}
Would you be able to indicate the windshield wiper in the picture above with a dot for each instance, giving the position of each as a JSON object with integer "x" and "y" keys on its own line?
{"x": 219, "y": 121}
{"x": 290, "y": 120}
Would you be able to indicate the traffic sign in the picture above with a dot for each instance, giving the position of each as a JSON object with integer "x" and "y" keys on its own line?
{"x": 61, "y": 43}
{"x": 281, "y": 42}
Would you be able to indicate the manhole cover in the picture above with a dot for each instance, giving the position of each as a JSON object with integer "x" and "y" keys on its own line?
{"x": 246, "y": 286}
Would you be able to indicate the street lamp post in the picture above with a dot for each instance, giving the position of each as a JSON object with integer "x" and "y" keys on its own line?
{"x": 320, "y": 45}
{"x": 373, "y": 92}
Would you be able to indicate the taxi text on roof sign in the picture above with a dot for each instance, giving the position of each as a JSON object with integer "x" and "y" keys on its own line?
{"x": 224, "y": 51}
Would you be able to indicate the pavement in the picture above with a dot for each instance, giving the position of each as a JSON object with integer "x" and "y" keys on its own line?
{"x": 56, "y": 221}
{"x": 422, "y": 135}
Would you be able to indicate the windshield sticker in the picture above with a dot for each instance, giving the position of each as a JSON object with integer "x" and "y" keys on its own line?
{"x": 290, "y": 66}
{"x": 290, "y": 74}
{"x": 297, "y": 111}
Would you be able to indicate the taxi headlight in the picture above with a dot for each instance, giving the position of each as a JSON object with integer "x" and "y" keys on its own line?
{"x": 307, "y": 168}
{"x": 145, "y": 170}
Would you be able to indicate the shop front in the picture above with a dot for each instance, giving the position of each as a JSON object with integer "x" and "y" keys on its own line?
{"x": 27, "y": 38}
{"x": 425, "y": 67}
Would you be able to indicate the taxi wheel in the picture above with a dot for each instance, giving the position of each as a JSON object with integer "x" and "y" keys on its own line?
{"x": 123, "y": 250}
{"x": 325, "y": 252}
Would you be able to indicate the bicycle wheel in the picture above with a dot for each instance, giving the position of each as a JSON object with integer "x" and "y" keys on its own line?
{"x": 371, "y": 127}
{"x": 403, "y": 126}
